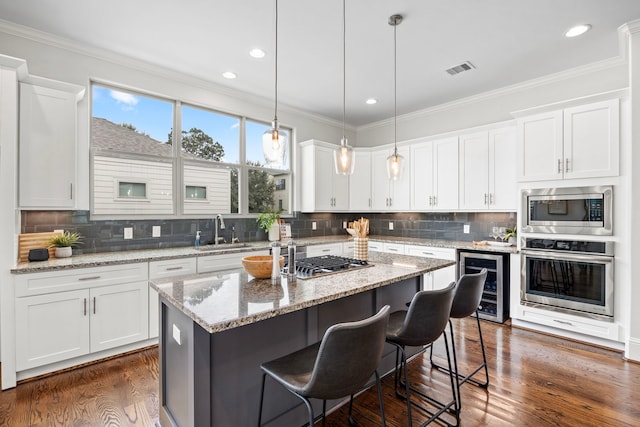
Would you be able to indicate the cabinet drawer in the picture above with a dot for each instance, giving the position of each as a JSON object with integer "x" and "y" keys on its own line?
{"x": 172, "y": 268}
{"x": 210, "y": 263}
{"x": 431, "y": 252}
{"x": 318, "y": 250}
{"x": 394, "y": 248}
{"x": 376, "y": 246}
{"x": 581, "y": 325}
{"x": 81, "y": 278}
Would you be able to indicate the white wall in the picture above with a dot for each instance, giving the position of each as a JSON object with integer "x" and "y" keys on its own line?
{"x": 73, "y": 63}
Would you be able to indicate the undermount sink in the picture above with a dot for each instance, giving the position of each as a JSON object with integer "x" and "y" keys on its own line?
{"x": 221, "y": 246}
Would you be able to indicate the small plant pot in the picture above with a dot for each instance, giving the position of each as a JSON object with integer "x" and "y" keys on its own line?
{"x": 274, "y": 232}
{"x": 64, "y": 252}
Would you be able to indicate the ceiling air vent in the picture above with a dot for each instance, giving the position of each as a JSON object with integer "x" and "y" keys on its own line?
{"x": 465, "y": 66}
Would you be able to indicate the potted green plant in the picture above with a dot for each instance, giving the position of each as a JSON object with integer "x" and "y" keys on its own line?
{"x": 512, "y": 235}
{"x": 63, "y": 243}
{"x": 269, "y": 222}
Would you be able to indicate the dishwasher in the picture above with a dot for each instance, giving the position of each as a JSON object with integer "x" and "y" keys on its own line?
{"x": 494, "y": 305}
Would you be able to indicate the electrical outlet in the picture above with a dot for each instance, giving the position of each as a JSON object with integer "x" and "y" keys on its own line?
{"x": 314, "y": 226}
{"x": 390, "y": 225}
{"x": 58, "y": 231}
{"x": 344, "y": 224}
{"x": 128, "y": 233}
{"x": 466, "y": 229}
{"x": 155, "y": 231}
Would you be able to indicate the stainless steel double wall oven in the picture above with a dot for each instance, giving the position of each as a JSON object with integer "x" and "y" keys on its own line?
{"x": 563, "y": 269}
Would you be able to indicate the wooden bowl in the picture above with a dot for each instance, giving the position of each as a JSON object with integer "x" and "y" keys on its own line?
{"x": 259, "y": 266}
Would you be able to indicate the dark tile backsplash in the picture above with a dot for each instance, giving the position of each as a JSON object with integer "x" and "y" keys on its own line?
{"x": 107, "y": 235}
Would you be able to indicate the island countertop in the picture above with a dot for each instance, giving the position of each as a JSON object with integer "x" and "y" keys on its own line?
{"x": 229, "y": 299}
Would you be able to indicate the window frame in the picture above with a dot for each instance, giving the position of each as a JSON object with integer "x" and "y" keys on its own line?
{"x": 179, "y": 161}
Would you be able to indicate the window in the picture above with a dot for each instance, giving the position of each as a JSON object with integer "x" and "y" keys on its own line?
{"x": 195, "y": 192}
{"x": 214, "y": 156}
{"x": 132, "y": 190}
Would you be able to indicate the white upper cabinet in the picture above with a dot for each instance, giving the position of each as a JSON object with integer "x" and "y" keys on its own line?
{"x": 322, "y": 189}
{"x": 389, "y": 195}
{"x": 434, "y": 165}
{"x": 488, "y": 170}
{"x": 577, "y": 142}
{"x": 47, "y": 149}
{"x": 360, "y": 182}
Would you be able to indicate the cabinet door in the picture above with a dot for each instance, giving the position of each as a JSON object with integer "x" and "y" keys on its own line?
{"x": 360, "y": 183}
{"x": 47, "y": 170}
{"x": 540, "y": 147}
{"x": 445, "y": 182}
{"x": 379, "y": 181}
{"x": 474, "y": 171}
{"x": 51, "y": 328}
{"x": 119, "y": 315}
{"x": 591, "y": 140}
{"x": 503, "y": 187}
{"x": 422, "y": 174}
{"x": 443, "y": 276}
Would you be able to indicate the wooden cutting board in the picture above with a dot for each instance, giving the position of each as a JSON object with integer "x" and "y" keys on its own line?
{"x": 29, "y": 241}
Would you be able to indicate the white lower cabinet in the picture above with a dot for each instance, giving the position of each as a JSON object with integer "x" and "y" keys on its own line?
{"x": 89, "y": 311}
{"x": 440, "y": 278}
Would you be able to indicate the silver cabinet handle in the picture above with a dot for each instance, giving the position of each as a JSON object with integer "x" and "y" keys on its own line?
{"x": 71, "y": 190}
{"x": 428, "y": 253}
{"x": 326, "y": 250}
{"x": 430, "y": 202}
{"x": 369, "y": 201}
{"x": 566, "y": 164}
{"x": 490, "y": 198}
{"x": 94, "y": 305}
{"x": 559, "y": 166}
{"x": 435, "y": 200}
{"x": 485, "y": 199}
{"x": 173, "y": 268}
{"x": 82, "y": 279}
{"x": 84, "y": 306}
{"x": 390, "y": 201}
{"x": 564, "y": 322}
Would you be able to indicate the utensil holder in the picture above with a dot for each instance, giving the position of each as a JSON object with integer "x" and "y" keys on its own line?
{"x": 361, "y": 248}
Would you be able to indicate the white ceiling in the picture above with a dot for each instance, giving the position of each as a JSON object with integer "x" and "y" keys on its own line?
{"x": 509, "y": 41}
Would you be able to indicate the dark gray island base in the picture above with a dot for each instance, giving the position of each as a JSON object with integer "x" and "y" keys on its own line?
{"x": 217, "y": 328}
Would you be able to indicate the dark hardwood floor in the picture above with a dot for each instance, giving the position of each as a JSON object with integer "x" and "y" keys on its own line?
{"x": 536, "y": 380}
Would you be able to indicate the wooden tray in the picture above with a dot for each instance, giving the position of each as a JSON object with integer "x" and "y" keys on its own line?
{"x": 29, "y": 241}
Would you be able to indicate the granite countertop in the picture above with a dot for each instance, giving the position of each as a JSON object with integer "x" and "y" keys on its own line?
{"x": 128, "y": 257}
{"x": 228, "y": 299}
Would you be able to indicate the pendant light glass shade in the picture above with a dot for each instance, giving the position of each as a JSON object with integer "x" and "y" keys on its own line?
{"x": 395, "y": 165}
{"x": 274, "y": 143}
{"x": 343, "y": 156}
{"x": 274, "y": 146}
{"x": 395, "y": 162}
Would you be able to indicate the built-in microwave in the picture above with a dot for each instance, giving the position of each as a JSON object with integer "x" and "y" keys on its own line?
{"x": 570, "y": 210}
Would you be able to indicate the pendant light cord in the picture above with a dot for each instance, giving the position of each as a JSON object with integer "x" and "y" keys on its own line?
{"x": 344, "y": 68}
{"x": 395, "y": 91}
{"x": 276, "y": 55}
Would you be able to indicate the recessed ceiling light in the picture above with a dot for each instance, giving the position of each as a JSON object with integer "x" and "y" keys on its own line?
{"x": 229, "y": 75}
{"x": 577, "y": 30}
{"x": 257, "y": 53}
{"x": 371, "y": 101}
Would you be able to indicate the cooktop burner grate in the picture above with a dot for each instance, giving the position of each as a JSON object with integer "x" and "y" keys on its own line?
{"x": 326, "y": 264}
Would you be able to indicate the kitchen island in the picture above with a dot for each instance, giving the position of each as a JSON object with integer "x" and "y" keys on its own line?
{"x": 217, "y": 328}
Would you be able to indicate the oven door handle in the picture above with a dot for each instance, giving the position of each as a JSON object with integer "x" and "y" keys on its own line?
{"x": 568, "y": 256}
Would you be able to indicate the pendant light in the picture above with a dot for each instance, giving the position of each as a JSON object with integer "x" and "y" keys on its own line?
{"x": 395, "y": 162}
{"x": 343, "y": 156}
{"x": 274, "y": 142}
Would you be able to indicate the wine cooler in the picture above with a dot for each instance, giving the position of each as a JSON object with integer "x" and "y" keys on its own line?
{"x": 494, "y": 305}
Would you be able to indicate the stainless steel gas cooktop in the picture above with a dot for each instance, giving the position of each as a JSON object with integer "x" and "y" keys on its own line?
{"x": 307, "y": 268}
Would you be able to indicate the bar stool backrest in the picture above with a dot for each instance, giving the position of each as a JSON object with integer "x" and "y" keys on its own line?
{"x": 427, "y": 316}
{"x": 468, "y": 294}
{"x": 349, "y": 355}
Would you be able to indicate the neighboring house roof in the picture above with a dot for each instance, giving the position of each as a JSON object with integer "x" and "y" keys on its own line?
{"x": 107, "y": 135}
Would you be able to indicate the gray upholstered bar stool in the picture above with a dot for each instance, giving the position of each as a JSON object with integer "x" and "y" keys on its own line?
{"x": 421, "y": 325}
{"x": 338, "y": 366}
{"x": 466, "y": 300}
